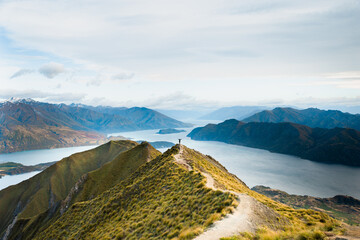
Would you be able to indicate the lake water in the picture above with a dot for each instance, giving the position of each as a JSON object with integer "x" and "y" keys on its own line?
{"x": 260, "y": 167}
{"x": 253, "y": 166}
{"x": 34, "y": 157}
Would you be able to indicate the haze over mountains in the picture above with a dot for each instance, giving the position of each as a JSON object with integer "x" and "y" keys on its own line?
{"x": 26, "y": 124}
{"x": 234, "y": 112}
{"x": 337, "y": 145}
{"x": 311, "y": 117}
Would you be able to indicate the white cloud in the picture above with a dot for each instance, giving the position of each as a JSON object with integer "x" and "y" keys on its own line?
{"x": 51, "y": 70}
{"x": 123, "y": 76}
{"x": 21, "y": 72}
{"x": 42, "y": 96}
{"x": 226, "y": 51}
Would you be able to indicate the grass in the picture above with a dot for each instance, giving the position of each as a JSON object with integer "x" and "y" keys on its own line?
{"x": 161, "y": 200}
{"x": 36, "y": 195}
{"x": 292, "y": 223}
{"x": 133, "y": 198}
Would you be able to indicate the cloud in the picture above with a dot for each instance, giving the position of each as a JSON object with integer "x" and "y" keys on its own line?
{"x": 51, "y": 70}
{"x": 21, "y": 72}
{"x": 123, "y": 76}
{"x": 42, "y": 95}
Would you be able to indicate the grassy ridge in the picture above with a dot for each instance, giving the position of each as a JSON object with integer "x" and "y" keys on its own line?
{"x": 115, "y": 171}
{"x": 127, "y": 196}
{"x": 161, "y": 200}
{"x": 291, "y": 223}
{"x": 43, "y": 191}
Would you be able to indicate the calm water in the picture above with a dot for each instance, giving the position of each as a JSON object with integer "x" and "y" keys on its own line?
{"x": 35, "y": 157}
{"x": 253, "y": 166}
{"x": 260, "y": 167}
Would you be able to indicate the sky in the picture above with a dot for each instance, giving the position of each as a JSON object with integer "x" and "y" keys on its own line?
{"x": 184, "y": 54}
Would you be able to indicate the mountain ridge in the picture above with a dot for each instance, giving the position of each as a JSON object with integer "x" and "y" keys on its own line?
{"x": 338, "y": 145}
{"x": 150, "y": 203}
{"x": 312, "y": 117}
{"x": 26, "y": 124}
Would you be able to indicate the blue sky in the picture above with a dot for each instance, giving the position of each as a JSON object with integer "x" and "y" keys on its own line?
{"x": 181, "y": 54}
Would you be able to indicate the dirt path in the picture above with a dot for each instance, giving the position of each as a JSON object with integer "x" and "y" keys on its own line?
{"x": 179, "y": 159}
{"x": 239, "y": 221}
{"x": 232, "y": 224}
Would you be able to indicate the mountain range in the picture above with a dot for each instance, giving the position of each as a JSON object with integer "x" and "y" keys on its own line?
{"x": 126, "y": 190}
{"x": 311, "y": 117}
{"x": 26, "y": 124}
{"x": 234, "y": 112}
{"x": 337, "y": 145}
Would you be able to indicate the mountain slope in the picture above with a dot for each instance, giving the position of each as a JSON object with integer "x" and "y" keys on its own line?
{"x": 341, "y": 207}
{"x": 26, "y": 124}
{"x": 115, "y": 171}
{"x": 45, "y": 190}
{"x": 152, "y": 204}
{"x": 177, "y": 195}
{"x": 145, "y": 118}
{"x": 236, "y": 112}
{"x": 338, "y": 145}
{"x": 311, "y": 117}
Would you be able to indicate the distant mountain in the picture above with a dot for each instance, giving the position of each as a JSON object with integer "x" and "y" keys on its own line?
{"x": 184, "y": 114}
{"x": 26, "y": 124}
{"x": 235, "y": 112}
{"x": 123, "y": 190}
{"x": 311, "y": 117}
{"x": 143, "y": 118}
{"x": 338, "y": 145}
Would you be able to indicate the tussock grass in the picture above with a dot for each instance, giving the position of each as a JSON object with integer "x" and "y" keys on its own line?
{"x": 161, "y": 200}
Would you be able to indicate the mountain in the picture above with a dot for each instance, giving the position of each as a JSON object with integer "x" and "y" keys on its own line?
{"x": 26, "y": 124}
{"x": 190, "y": 115}
{"x": 131, "y": 191}
{"x": 41, "y": 195}
{"x": 144, "y": 118}
{"x": 311, "y": 117}
{"x": 235, "y": 112}
{"x": 337, "y": 145}
{"x": 344, "y": 208}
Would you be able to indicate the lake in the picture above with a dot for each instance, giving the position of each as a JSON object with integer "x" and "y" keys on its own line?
{"x": 260, "y": 167}
{"x": 34, "y": 157}
{"x": 253, "y": 166}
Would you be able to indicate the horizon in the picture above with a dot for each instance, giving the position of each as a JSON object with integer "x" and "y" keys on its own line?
{"x": 201, "y": 112}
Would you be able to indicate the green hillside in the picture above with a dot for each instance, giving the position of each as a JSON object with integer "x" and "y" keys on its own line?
{"x": 161, "y": 200}
{"x": 164, "y": 200}
{"x": 115, "y": 171}
{"x": 45, "y": 190}
{"x": 132, "y": 191}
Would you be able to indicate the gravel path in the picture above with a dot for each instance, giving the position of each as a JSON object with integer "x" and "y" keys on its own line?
{"x": 231, "y": 224}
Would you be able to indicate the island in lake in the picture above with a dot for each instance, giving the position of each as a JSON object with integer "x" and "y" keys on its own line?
{"x": 169, "y": 131}
{"x": 11, "y": 168}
